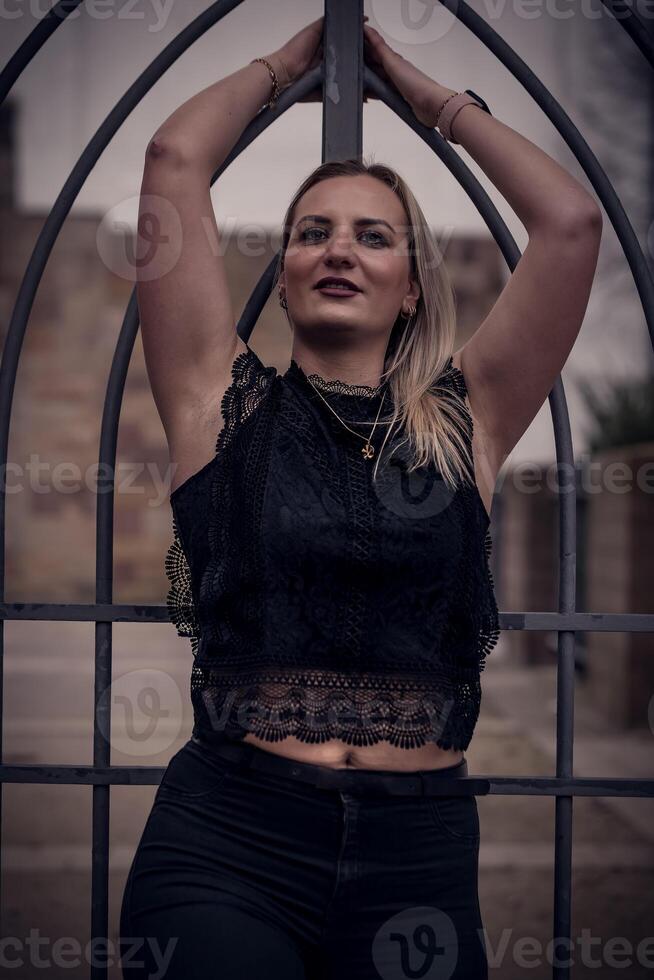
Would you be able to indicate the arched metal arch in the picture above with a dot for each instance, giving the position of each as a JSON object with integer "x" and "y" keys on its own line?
{"x": 342, "y": 129}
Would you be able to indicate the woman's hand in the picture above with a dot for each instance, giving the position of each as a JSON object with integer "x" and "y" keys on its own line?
{"x": 424, "y": 95}
{"x": 300, "y": 54}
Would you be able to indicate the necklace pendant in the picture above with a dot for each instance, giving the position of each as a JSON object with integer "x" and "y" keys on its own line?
{"x": 368, "y": 451}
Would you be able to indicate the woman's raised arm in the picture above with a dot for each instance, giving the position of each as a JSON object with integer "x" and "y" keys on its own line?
{"x": 513, "y": 359}
{"x": 187, "y": 321}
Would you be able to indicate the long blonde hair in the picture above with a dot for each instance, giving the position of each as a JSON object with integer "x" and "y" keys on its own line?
{"x": 434, "y": 417}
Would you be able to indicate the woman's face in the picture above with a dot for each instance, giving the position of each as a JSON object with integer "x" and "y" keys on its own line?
{"x": 330, "y": 237}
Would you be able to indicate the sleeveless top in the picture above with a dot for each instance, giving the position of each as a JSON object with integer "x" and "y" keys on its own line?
{"x": 318, "y": 603}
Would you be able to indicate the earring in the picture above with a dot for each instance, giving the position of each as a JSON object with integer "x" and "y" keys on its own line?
{"x": 412, "y": 312}
{"x": 282, "y": 301}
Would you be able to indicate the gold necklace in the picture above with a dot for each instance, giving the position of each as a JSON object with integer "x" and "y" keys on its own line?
{"x": 368, "y": 450}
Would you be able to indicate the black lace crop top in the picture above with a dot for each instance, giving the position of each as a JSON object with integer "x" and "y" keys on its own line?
{"x": 319, "y": 603}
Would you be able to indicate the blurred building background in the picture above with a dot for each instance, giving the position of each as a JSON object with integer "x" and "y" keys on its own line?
{"x": 602, "y": 81}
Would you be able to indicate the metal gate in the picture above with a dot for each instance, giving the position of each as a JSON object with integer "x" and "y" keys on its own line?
{"x": 342, "y": 137}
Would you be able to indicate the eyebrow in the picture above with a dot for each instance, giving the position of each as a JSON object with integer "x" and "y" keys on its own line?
{"x": 321, "y": 219}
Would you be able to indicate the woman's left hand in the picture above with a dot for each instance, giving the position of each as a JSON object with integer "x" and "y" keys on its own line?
{"x": 424, "y": 95}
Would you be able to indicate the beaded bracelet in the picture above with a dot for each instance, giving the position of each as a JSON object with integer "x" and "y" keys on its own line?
{"x": 438, "y": 114}
{"x": 272, "y": 101}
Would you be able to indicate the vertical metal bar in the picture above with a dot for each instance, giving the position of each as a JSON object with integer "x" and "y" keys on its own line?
{"x": 3, "y": 559}
{"x": 497, "y": 531}
{"x": 100, "y": 811}
{"x": 581, "y": 649}
{"x": 342, "y": 121}
{"x": 650, "y": 31}
{"x": 104, "y": 634}
{"x": 565, "y": 680}
{"x": 102, "y": 718}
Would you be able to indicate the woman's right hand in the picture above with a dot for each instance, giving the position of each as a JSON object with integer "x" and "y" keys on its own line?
{"x": 302, "y": 53}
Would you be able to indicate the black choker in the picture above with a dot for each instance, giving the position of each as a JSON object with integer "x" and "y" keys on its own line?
{"x": 335, "y": 386}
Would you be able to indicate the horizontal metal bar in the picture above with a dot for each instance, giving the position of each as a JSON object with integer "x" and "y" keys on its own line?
{"x": 93, "y": 612}
{"x": 125, "y": 613}
{"x": 475, "y": 785}
{"x": 579, "y": 622}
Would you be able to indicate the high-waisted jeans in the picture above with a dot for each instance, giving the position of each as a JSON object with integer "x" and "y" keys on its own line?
{"x": 242, "y": 874}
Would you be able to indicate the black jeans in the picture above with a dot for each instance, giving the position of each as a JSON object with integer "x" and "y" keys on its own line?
{"x": 246, "y": 875}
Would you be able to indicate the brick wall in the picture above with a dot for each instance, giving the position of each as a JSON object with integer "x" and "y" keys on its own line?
{"x": 615, "y": 574}
{"x": 621, "y": 580}
{"x": 527, "y": 537}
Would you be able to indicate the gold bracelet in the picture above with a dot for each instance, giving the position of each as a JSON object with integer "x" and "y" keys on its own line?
{"x": 272, "y": 101}
{"x": 443, "y": 106}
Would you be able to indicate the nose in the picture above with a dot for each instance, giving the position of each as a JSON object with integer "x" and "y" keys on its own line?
{"x": 339, "y": 247}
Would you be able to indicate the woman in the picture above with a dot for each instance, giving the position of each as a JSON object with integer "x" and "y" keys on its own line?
{"x": 330, "y": 553}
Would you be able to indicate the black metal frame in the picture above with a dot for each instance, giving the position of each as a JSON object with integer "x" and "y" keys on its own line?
{"x": 342, "y": 137}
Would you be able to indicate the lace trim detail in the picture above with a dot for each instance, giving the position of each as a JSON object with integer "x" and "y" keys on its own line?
{"x": 179, "y": 600}
{"x": 489, "y": 629}
{"x": 316, "y": 707}
{"x": 342, "y": 388}
{"x": 337, "y": 387}
{"x": 450, "y": 376}
{"x": 250, "y": 380}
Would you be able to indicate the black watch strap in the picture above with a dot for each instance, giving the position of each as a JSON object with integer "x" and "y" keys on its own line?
{"x": 479, "y": 100}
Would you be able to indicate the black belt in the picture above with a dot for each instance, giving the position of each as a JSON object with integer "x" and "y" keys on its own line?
{"x": 429, "y": 782}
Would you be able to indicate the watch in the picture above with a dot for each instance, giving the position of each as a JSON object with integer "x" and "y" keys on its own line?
{"x": 451, "y": 108}
{"x": 479, "y": 100}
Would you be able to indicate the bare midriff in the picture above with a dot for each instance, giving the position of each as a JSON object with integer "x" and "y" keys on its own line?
{"x": 340, "y": 755}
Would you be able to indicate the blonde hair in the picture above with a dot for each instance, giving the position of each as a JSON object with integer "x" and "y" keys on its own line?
{"x": 434, "y": 416}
